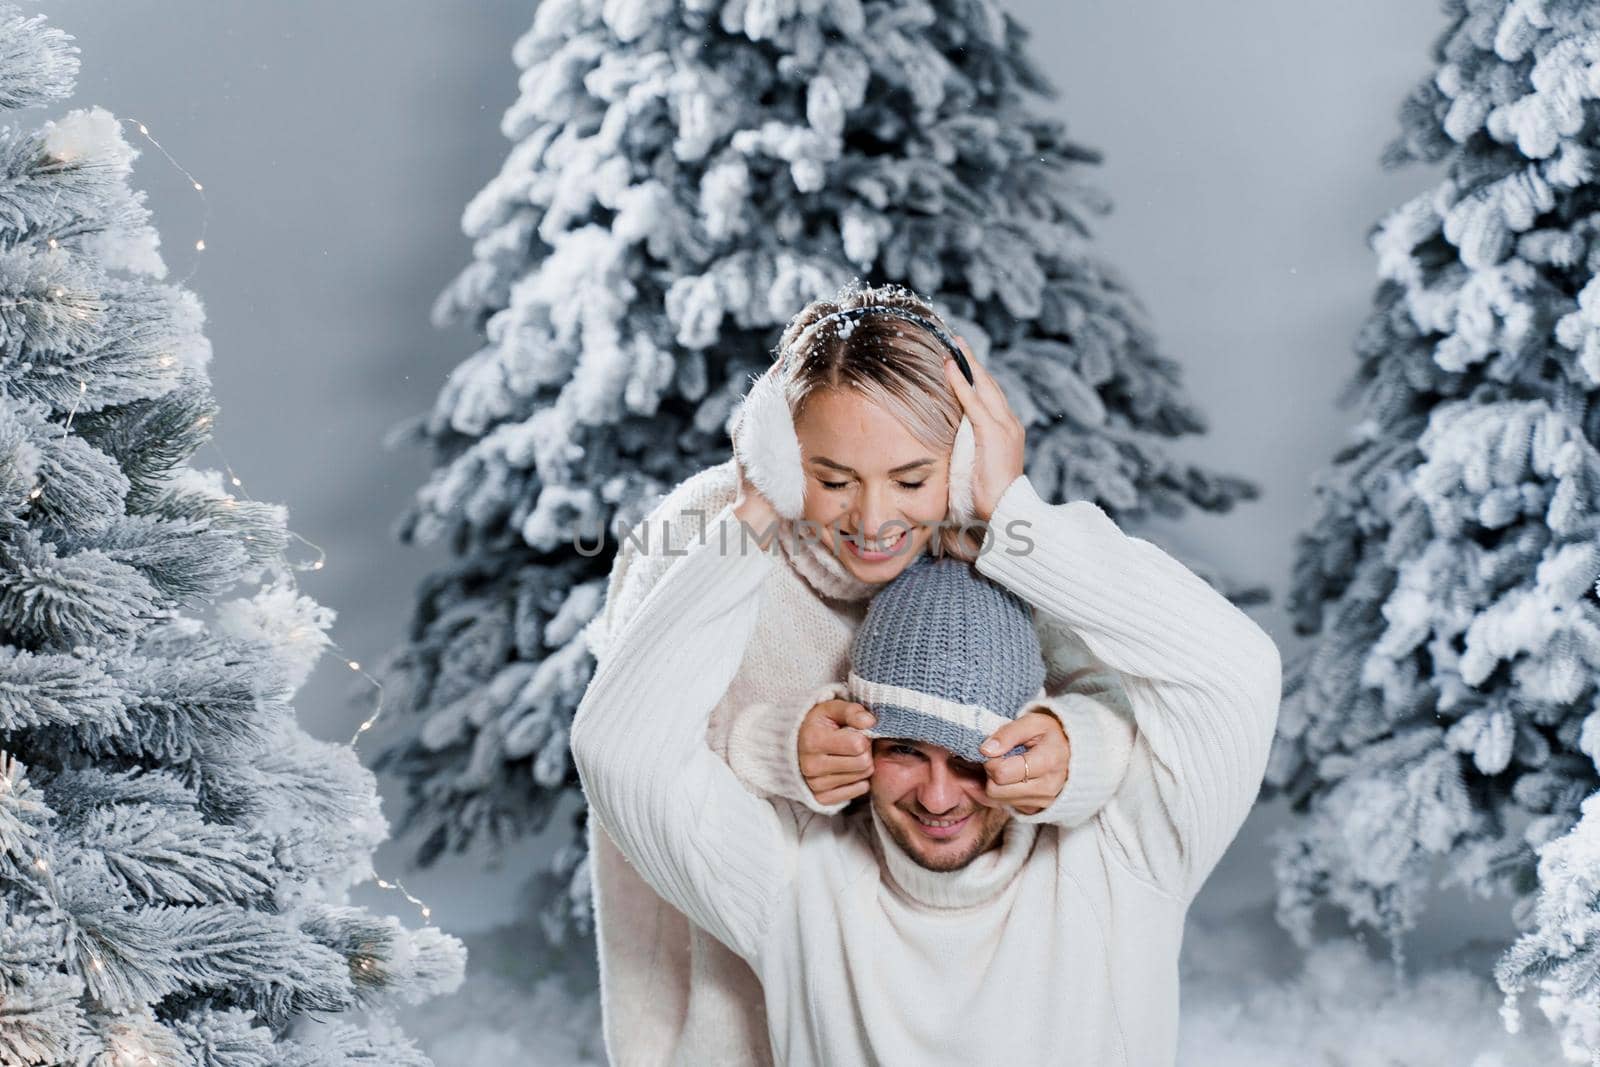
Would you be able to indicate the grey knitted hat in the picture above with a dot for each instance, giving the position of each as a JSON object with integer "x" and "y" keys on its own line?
{"x": 945, "y": 656}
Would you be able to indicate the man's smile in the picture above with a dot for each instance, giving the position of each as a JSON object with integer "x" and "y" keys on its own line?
{"x": 942, "y": 829}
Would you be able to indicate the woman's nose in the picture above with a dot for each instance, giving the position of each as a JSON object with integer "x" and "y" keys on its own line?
{"x": 876, "y": 511}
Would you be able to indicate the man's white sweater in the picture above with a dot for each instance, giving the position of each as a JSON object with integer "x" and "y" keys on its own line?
{"x": 1064, "y": 940}
{"x": 670, "y": 992}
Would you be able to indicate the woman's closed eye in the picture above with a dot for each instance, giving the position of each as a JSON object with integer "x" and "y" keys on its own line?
{"x": 903, "y": 485}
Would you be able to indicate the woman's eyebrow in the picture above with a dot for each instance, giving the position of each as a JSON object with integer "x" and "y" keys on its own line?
{"x": 826, "y": 462}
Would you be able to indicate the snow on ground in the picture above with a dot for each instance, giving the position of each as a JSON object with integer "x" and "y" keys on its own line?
{"x": 509, "y": 1010}
{"x": 1341, "y": 1005}
{"x": 1249, "y": 999}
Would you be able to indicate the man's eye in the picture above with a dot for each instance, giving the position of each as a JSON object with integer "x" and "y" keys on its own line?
{"x": 904, "y": 750}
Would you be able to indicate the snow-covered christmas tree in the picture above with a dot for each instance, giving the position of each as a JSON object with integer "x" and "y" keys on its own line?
{"x": 685, "y": 176}
{"x": 175, "y": 851}
{"x": 1442, "y": 724}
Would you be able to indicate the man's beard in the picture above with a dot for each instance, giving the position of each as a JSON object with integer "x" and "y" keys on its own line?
{"x": 954, "y": 861}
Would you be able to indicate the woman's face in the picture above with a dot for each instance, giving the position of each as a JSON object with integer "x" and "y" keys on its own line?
{"x": 869, "y": 483}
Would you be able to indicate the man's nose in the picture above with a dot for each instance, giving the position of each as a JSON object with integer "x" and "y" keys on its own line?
{"x": 942, "y": 791}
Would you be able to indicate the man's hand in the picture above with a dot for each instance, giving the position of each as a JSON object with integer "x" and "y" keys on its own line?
{"x": 1048, "y": 754}
{"x": 835, "y": 756}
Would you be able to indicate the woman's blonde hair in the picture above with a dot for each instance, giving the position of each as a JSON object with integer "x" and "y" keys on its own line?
{"x": 888, "y": 361}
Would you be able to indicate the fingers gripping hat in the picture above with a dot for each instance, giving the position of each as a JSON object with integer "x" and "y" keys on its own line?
{"x": 768, "y": 448}
{"x": 946, "y": 656}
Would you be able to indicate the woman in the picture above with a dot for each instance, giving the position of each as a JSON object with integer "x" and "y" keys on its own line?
{"x": 876, "y": 410}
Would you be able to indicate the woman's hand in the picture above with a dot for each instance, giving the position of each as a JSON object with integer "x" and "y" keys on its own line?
{"x": 754, "y": 510}
{"x": 1049, "y": 753}
{"x": 835, "y": 756}
{"x": 997, "y": 433}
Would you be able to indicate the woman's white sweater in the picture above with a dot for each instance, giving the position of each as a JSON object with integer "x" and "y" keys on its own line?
{"x": 670, "y": 992}
{"x": 1063, "y": 941}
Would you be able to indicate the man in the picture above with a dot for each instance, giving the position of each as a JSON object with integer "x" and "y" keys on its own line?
{"x": 930, "y": 926}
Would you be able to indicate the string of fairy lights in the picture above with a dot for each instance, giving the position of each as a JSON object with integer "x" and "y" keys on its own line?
{"x": 234, "y": 480}
{"x": 354, "y": 665}
{"x": 9, "y": 768}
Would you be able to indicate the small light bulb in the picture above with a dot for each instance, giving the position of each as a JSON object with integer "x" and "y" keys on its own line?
{"x": 354, "y": 665}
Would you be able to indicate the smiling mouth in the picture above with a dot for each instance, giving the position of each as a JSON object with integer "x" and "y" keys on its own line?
{"x": 941, "y": 828}
{"x": 874, "y": 549}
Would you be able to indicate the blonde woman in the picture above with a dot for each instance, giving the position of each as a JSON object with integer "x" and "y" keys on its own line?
{"x": 876, "y": 410}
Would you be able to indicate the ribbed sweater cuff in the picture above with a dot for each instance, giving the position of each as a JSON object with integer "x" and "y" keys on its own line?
{"x": 1101, "y": 745}
{"x": 764, "y": 748}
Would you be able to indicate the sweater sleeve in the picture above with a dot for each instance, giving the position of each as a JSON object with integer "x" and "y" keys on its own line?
{"x": 676, "y": 811}
{"x": 1100, "y": 740}
{"x": 1202, "y": 679}
{"x": 764, "y": 748}
{"x": 1091, "y": 703}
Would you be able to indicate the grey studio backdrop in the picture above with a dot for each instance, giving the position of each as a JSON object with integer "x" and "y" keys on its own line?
{"x": 339, "y": 142}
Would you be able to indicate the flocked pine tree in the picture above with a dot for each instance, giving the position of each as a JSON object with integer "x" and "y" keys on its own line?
{"x": 1443, "y": 717}
{"x": 686, "y": 175}
{"x": 174, "y": 850}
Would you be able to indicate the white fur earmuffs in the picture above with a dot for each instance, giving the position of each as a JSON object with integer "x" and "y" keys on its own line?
{"x": 768, "y": 449}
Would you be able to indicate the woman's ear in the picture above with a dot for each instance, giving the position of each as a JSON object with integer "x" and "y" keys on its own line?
{"x": 962, "y": 456}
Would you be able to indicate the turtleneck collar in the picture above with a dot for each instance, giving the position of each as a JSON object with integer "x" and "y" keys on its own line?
{"x": 979, "y": 881}
{"x": 826, "y": 573}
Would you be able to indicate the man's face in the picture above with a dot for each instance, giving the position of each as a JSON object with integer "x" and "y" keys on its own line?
{"x": 934, "y": 803}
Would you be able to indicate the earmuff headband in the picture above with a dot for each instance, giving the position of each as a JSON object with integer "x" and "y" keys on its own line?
{"x": 899, "y": 313}
{"x": 764, "y": 439}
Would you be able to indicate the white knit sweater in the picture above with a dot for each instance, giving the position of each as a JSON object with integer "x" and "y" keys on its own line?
{"x": 670, "y": 992}
{"x": 864, "y": 957}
